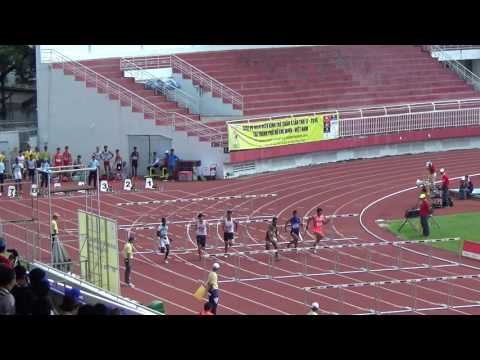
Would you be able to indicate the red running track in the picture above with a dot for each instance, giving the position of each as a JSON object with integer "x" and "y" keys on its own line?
{"x": 340, "y": 188}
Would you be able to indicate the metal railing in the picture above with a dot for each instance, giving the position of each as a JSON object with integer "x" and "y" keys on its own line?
{"x": 129, "y": 98}
{"x": 457, "y": 47}
{"x": 204, "y": 80}
{"x": 450, "y": 63}
{"x": 395, "y": 118}
{"x": 176, "y": 95}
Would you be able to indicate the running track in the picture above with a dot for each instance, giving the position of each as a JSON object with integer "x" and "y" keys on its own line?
{"x": 340, "y": 188}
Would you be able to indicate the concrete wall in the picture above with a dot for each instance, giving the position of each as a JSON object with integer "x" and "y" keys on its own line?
{"x": 476, "y": 67}
{"x": 84, "y": 52}
{"x": 8, "y": 141}
{"x": 457, "y": 54}
{"x": 290, "y": 162}
{"x": 71, "y": 114}
{"x": 208, "y": 105}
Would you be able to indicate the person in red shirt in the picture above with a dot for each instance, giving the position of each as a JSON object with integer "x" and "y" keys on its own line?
{"x": 67, "y": 159}
{"x": 445, "y": 185}
{"x": 207, "y": 307}
{"x": 4, "y": 258}
{"x": 424, "y": 215}
{"x": 58, "y": 158}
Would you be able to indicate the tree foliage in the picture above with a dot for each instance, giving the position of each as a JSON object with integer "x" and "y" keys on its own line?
{"x": 20, "y": 61}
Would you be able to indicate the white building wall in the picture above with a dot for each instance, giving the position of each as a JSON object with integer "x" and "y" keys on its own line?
{"x": 71, "y": 114}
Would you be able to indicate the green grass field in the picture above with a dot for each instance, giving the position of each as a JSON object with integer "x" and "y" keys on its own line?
{"x": 465, "y": 226}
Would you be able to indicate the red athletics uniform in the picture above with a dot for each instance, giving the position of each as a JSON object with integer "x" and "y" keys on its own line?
{"x": 318, "y": 224}
{"x": 67, "y": 158}
{"x": 58, "y": 159}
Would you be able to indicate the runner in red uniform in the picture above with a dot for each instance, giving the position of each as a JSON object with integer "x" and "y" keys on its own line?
{"x": 318, "y": 221}
{"x": 58, "y": 158}
{"x": 67, "y": 160}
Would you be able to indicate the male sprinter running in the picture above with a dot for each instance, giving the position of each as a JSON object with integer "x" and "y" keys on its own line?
{"x": 230, "y": 227}
{"x": 164, "y": 242}
{"x": 318, "y": 221}
{"x": 294, "y": 223}
{"x": 201, "y": 228}
{"x": 272, "y": 236}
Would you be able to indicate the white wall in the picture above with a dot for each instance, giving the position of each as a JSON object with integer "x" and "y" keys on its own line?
{"x": 457, "y": 54}
{"x": 83, "y": 52}
{"x": 71, "y": 114}
{"x": 290, "y": 162}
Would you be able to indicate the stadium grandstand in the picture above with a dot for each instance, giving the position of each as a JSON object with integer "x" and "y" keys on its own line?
{"x": 246, "y": 117}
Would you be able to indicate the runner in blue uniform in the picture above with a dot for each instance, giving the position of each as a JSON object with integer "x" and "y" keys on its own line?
{"x": 294, "y": 223}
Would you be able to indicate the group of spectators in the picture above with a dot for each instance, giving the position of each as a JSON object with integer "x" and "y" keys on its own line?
{"x": 23, "y": 163}
{"x": 28, "y": 293}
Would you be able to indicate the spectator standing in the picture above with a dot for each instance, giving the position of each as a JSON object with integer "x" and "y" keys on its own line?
{"x": 97, "y": 153}
{"x": 212, "y": 287}
{"x": 4, "y": 257}
{"x": 2, "y": 173}
{"x": 7, "y": 282}
{"x": 118, "y": 163}
{"x": 106, "y": 156}
{"x": 445, "y": 186}
{"x": 45, "y": 168}
{"x": 22, "y": 292}
{"x": 92, "y": 175}
{"x": 128, "y": 252}
{"x": 58, "y": 158}
{"x": 134, "y": 157}
{"x": 172, "y": 164}
{"x": 44, "y": 155}
{"x": 31, "y": 163}
{"x": 36, "y": 156}
{"x": 67, "y": 160}
{"x": 314, "y": 309}
{"x": 424, "y": 214}
{"x": 78, "y": 165}
{"x": 17, "y": 174}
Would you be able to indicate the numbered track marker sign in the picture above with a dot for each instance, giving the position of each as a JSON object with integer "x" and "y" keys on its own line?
{"x": 104, "y": 185}
{"x": 127, "y": 185}
{"x": 33, "y": 190}
{"x": 81, "y": 183}
{"x": 12, "y": 192}
{"x": 148, "y": 183}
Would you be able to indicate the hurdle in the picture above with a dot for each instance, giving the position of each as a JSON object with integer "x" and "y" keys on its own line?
{"x": 303, "y": 264}
{"x": 414, "y": 282}
{"x": 208, "y": 198}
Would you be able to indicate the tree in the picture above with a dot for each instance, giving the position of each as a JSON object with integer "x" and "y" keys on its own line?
{"x": 20, "y": 61}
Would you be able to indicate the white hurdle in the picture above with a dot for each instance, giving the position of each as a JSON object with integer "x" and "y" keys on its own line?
{"x": 208, "y": 198}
